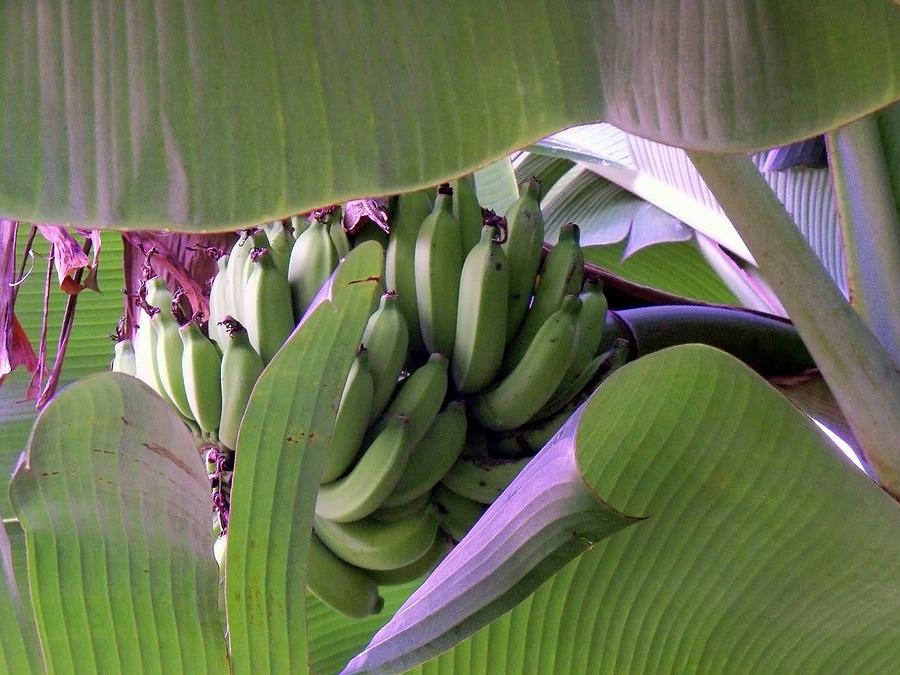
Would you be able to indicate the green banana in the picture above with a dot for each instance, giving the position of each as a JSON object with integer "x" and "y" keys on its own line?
{"x": 370, "y": 231}
{"x": 481, "y": 315}
{"x": 313, "y": 259}
{"x": 241, "y": 367}
{"x": 158, "y": 294}
{"x": 483, "y": 480}
{"x": 168, "y": 361}
{"x": 268, "y": 312}
{"x": 220, "y": 550}
{"x": 338, "y": 234}
{"x": 124, "y": 359}
{"x": 374, "y": 477}
{"x": 570, "y": 388}
{"x": 467, "y": 211}
{"x": 589, "y": 329}
{"x": 433, "y": 456}
{"x": 201, "y": 365}
{"x": 420, "y": 398}
{"x": 416, "y": 569}
{"x": 373, "y": 545}
{"x": 525, "y": 235}
{"x": 280, "y": 244}
{"x": 406, "y": 216}
{"x": 457, "y": 514}
{"x": 438, "y": 265}
{"x": 299, "y": 224}
{"x": 414, "y": 507}
{"x": 386, "y": 336}
{"x": 517, "y": 397}
{"x": 237, "y": 259}
{"x": 561, "y": 275}
{"x": 259, "y": 240}
{"x": 219, "y": 302}
{"x": 343, "y": 587}
{"x": 145, "y": 368}
{"x": 352, "y": 419}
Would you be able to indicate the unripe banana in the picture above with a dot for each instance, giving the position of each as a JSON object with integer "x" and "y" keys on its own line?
{"x": 467, "y": 211}
{"x": 571, "y": 387}
{"x": 370, "y": 231}
{"x": 259, "y": 240}
{"x": 481, "y": 479}
{"x": 373, "y": 545}
{"x": 313, "y": 259}
{"x": 481, "y": 315}
{"x": 561, "y": 275}
{"x": 201, "y": 366}
{"x": 168, "y": 361}
{"x": 518, "y": 396}
{"x": 124, "y": 359}
{"x": 338, "y": 234}
{"x": 407, "y": 214}
{"x": 219, "y": 302}
{"x": 268, "y": 311}
{"x": 386, "y": 337}
{"x": 433, "y": 456}
{"x": 414, "y": 507}
{"x": 158, "y": 294}
{"x": 145, "y": 368}
{"x": 589, "y": 329}
{"x": 220, "y": 550}
{"x": 238, "y": 257}
{"x": 374, "y": 477}
{"x": 420, "y": 398}
{"x": 343, "y": 587}
{"x": 280, "y": 244}
{"x": 241, "y": 367}
{"x": 438, "y": 266}
{"x": 457, "y": 514}
{"x": 416, "y": 569}
{"x": 352, "y": 419}
{"x": 525, "y": 235}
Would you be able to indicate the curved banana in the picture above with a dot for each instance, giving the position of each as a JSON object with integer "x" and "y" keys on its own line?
{"x": 241, "y": 367}
{"x": 373, "y": 545}
{"x": 168, "y": 361}
{"x": 414, "y": 507}
{"x": 561, "y": 275}
{"x": 220, "y": 550}
{"x": 438, "y": 265}
{"x": 368, "y": 484}
{"x": 344, "y": 588}
{"x": 589, "y": 329}
{"x": 352, "y": 419}
{"x": 237, "y": 259}
{"x": 433, "y": 456}
{"x": 124, "y": 359}
{"x": 145, "y": 368}
{"x": 525, "y": 235}
{"x": 201, "y": 365}
{"x": 268, "y": 309}
{"x": 420, "y": 397}
{"x": 570, "y": 388}
{"x": 518, "y": 396}
{"x": 457, "y": 514}
{"x": 280, "y": 244}
{"x": 406, "y": 216}
{"x": 481, "y": 315}
{"x": 300, "y": 223}
{"x": 467, "y": 211}
{"x": 158, "y": 294}
{"x": 416, "y": 569}
{"x": 386, "y": 336}
{"x": 313, "y": 259}
{"x": 337, "y": 233}
{"x": 219, "y": 302}
{"x": 483, "y": 480}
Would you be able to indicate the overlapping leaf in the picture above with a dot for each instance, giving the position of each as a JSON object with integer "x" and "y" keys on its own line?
{"x": 145, "y": 115}
{"x": 114, "y": 501}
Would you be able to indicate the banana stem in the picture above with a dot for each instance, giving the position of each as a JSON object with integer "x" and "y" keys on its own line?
{"x": 854, "y": 364}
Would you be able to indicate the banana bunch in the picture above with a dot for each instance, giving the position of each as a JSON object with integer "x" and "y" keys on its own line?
{"x": 475, "y": 356}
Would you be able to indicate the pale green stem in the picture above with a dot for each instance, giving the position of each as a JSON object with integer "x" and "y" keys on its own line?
{"x": 854, "y": 364}
{"x": 870, "y": 227}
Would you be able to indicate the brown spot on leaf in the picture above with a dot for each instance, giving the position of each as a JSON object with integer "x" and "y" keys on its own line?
{"x": 165, "y": 453}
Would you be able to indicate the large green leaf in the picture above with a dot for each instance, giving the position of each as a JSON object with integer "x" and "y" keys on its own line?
{"x": 114, "y": 501}
{"x": 281, "y": 446}
{"x": 206, "y": 115}
{"x": 762, "y": 550}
